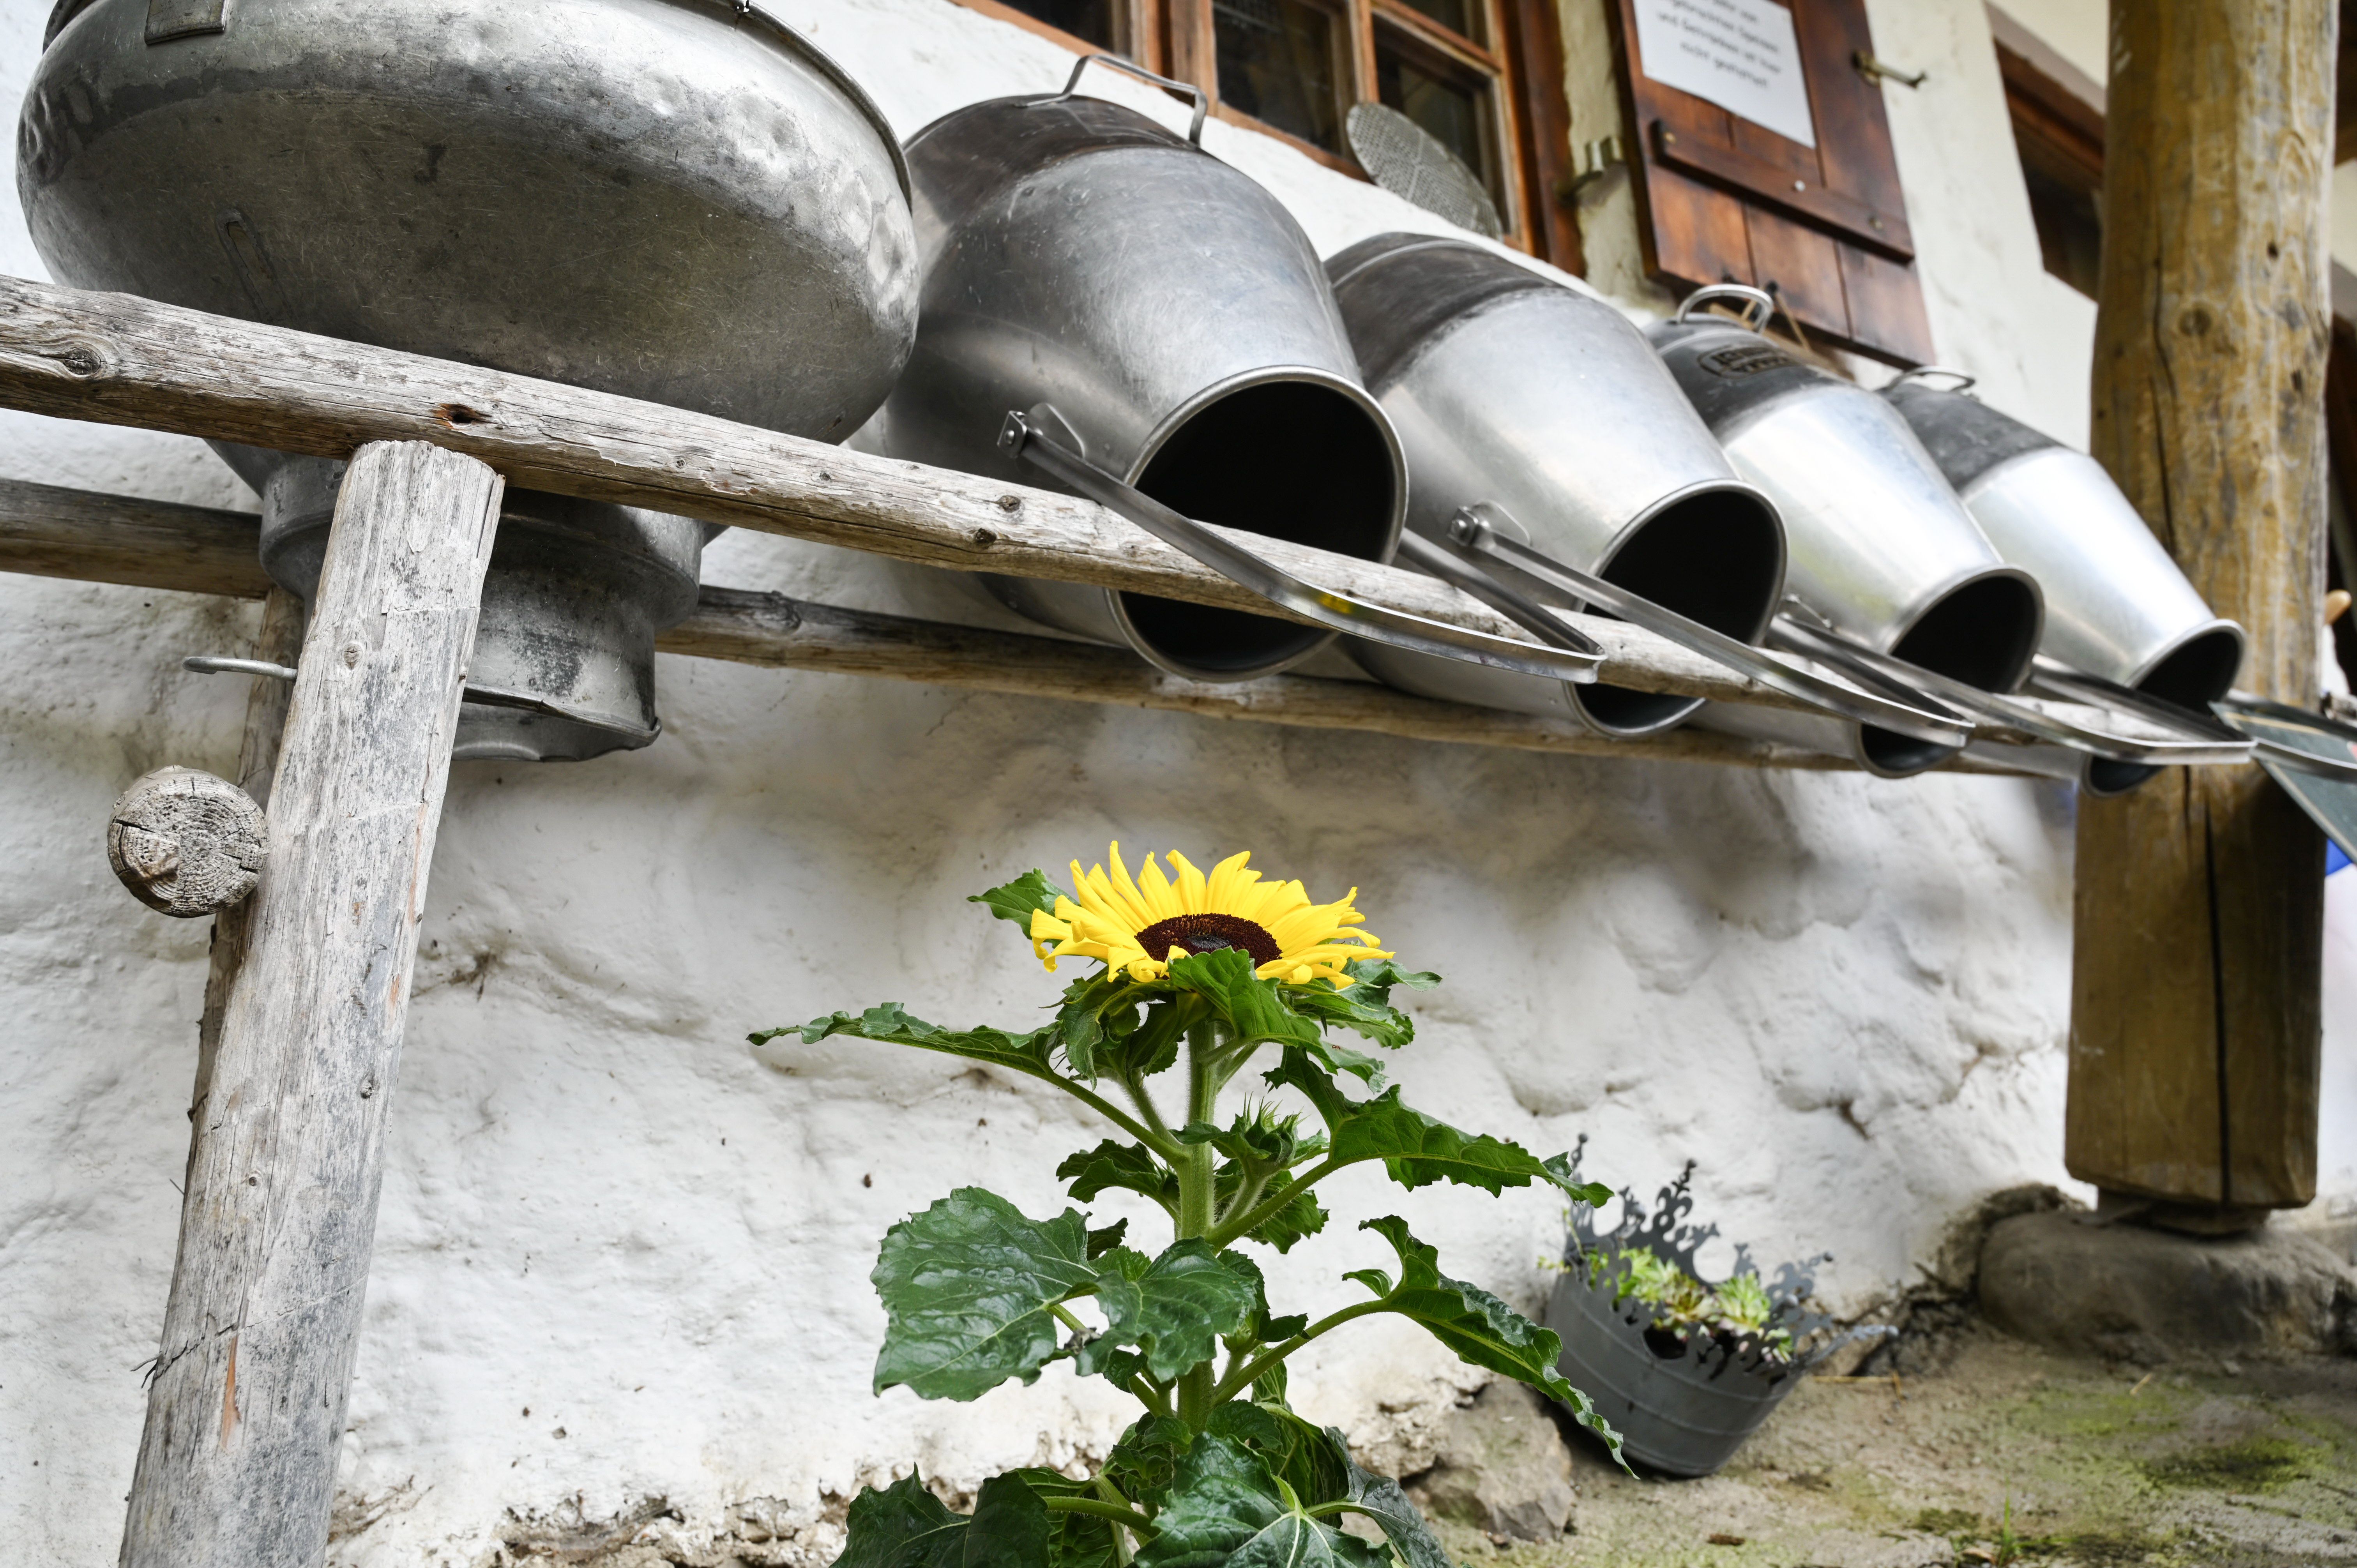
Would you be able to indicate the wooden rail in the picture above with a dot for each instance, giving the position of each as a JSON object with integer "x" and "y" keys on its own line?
{"x": 120, "y": 359}
{"x": 45, "y": 531}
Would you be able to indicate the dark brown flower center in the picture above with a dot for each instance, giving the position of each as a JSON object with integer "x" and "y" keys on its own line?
{"x": 1208, "y": 933}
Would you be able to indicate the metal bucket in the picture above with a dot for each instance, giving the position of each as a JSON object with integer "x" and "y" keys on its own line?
{"x": 1879, "y": 546}
{"x": 1508, "y": 388}
{"x": 2116, "y": 606}
{"x": 1172, "y": 313}
{"x": 679, "y": 200}
{"x": 562, "y": 666}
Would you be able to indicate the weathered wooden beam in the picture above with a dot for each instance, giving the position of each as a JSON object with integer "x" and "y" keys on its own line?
{"x": 110, "y": 540}
{"x": 125, "y": 361}
{"x": 2196, "y": 1022}
{"x": 48, "y": 531}
{"x": 789, "y": 634}
{"x": 237, "y": 1464}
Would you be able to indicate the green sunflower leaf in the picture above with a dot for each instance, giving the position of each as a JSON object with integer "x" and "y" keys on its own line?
{"x": 1153, "y": 1045}
{"x": 1097, "y": 1013}
{"x": 892, "y": 1024}
{"x": 1144, "y": 1461}
{"x": 1128, "y": 1167}
{"x": 905, "y": 1526}
{"x": 1227, "y": 1510}
{"x": 1304, "y": 1216}
{"x": 1380, "y": 1499}
{"x": 1417, "y": 1149}
{"x": 1174, "y": 1309}
{"x": 1363, "y": 1005}
{"x": 1015, "y": 900}
{"x": 1482, "y": 1330}
{"x": 1074, "y": 1540}
{"x": 1102, "y": 1241}
{"x": 1254, "y": 1008}
{"x": 1314, "y": 1462}
{"x": 967, "y": 1286}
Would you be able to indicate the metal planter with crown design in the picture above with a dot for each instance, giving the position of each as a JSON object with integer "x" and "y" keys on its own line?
{"x": 1684, "y": 1387}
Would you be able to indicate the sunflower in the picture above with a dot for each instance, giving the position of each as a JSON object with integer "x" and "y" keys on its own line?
{"x": 1141, "y": 926}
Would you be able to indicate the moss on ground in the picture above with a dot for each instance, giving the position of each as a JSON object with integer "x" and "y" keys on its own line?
{"x": 2010, "y": 1454}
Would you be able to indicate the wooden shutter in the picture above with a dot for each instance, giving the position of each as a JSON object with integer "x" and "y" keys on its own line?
{"x": 1721, "y": 199}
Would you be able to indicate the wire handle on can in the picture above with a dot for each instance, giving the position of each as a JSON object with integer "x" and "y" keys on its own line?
{"x": 1179, "y": 89}
{"x": 1965, "y": 382}
{"x": 1755, "y": 300}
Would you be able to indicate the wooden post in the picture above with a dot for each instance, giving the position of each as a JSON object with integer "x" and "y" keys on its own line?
{"x": 2196, "y": 1029}
{"x": 280, "y": 641}
{"x": 237, "y": 1465}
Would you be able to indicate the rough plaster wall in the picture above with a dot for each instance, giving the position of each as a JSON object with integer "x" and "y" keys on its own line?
{"x": 1845, "y": 997}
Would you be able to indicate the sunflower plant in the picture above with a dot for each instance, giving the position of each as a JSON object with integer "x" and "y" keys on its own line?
{"x": 1194, "y": 979}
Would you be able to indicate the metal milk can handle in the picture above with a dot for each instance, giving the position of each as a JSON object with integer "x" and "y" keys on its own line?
{"x": 1756, "y": 302}
{"x": 1964, "y": 382}
{"x": 1567, "y": 654}
{"x": 1181, "y": 89}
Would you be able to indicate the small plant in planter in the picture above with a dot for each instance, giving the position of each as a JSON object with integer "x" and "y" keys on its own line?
{"x": 1687, "y": 1369}
{"x": 1198, "y": 977}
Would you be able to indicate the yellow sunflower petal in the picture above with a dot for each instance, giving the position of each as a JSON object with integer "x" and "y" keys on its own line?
{"x": 1227, "y": 877}
{"x": 1161, "y": 898}
{"x": 1190, "y": 885}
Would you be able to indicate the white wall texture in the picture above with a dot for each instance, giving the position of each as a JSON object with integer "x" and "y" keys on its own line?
{"x": 623, "y": 1257}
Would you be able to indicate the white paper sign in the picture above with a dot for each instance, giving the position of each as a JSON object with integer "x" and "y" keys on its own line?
{"x": 1739, "y": 54}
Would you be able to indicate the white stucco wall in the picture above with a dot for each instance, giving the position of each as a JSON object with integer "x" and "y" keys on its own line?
{"x": 622, "y": 1256}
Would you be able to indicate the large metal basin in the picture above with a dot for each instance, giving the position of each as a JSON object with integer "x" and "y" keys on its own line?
{"x": 679, "y": 200}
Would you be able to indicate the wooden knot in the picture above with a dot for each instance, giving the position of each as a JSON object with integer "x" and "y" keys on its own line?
{"x": 186, "y": 842}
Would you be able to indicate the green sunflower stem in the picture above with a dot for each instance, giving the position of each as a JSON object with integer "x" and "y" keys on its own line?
{"x": 1197, "y": 1187}
{"x": 1102, "y": 1509}
{"x": 1237, "y": 1225}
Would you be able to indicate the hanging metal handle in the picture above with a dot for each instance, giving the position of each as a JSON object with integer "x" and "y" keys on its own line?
{"x": 1991, "y": 707}
{"x": 1483, "y": 528}
{"x": 1179, "y": 89}
{"x": 1575, "y": 659}
{"x": 482, "y": 697}
{"x": 2330, "y": 748}
{"x": 1756, "y": 301}
{"x": 1964, "y": 381}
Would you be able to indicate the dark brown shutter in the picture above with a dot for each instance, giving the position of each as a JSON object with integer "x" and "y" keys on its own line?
{"x": 1723, "y": 200}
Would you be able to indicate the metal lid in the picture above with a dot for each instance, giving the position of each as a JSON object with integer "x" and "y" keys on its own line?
{"x": 1417, "y": 166}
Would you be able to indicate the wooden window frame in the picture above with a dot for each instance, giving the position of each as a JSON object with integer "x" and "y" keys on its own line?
{"x": 1518, "y": 58}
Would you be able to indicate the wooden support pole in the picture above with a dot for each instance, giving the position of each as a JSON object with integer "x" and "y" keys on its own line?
{"x": 237, "y": 1465}
{"x": 2195, "y": 1028}
{"x": 280, "y": 641}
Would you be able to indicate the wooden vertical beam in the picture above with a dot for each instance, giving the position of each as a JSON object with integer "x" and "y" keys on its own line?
{"x": 2195, "y": 999}
{"x": 237, "y": 1464}
{"x": 280, "y": 641}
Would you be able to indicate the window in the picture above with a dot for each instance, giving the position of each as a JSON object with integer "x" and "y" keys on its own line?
{"x": 2057, "y": 130}
{"x": 1484, "y": 77}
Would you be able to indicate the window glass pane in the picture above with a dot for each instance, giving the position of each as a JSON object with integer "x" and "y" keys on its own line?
{"x": 1457, "y": 16}
{"x": 1446, "y": 107}
{"x": 1090, "y": 19}
{"x": 1277, "y": 63}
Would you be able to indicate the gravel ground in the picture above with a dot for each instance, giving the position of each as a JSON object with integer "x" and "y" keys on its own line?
{"x": 1995, "y": 1451}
